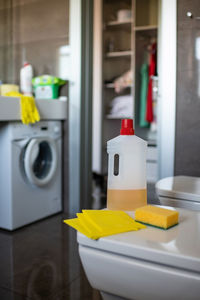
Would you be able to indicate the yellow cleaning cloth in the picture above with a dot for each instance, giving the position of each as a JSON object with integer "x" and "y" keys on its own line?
{"x": 111, "y": 221}
{"x": 98, "y": 223}
{"x": 29, "y": 112}
{"x": 86, "y": 224}
{"x": 76, "y": 225}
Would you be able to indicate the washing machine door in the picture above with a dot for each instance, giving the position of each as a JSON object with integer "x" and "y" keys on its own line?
{"x": 40, "y": 161}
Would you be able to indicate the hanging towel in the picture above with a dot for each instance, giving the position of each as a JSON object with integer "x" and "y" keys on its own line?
{"x": 152, "y": 70}
{"x": 29, "y": 112}
{"x": 143, "y": 95}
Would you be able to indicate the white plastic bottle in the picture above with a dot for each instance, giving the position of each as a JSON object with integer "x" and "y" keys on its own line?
{"x": 26, "y": 76}
{"x": 126, "y": 170}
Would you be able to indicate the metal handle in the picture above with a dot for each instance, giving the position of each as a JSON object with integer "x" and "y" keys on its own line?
{"x": 190, "y": 15}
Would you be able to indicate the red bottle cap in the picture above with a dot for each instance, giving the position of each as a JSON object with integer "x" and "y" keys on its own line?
{"x": 127, "y": 127}
{"x": 26, "y": 64}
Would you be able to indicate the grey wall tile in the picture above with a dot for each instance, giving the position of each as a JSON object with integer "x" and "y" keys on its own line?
{"x": 32, "y": 30}
{"x": 40, "y": 20}
{"x": 43, "y": 55}
{"x": 186, "y": 53}
{"x": 6, "y": 64}
{"x": 187, "y": 146}
{"x": 6, "y": 26}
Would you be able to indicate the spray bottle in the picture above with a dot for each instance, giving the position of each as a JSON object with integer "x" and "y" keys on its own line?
{"x": 126, "y": 170}
{"x": 26, "y": 76}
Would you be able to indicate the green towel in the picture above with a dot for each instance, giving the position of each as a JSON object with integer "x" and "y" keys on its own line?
{"x": 143, "y": 95}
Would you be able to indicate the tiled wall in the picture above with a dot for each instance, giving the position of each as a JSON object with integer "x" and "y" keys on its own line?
{"x": 187, "y": 156}
{"x": 32, "y": 30}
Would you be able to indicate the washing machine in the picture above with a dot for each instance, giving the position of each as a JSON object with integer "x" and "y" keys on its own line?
{"x": 30, "y": 172}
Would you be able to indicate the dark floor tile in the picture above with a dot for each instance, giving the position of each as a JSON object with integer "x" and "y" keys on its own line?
{"x": 10, "y": 295}
{"x": 40, "y": 260}
{"x": 79, "y": 289}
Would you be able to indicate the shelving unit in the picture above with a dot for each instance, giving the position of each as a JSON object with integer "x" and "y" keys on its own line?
{"x": 122, "y": 49}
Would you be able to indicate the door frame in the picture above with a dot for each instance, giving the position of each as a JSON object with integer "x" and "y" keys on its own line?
{"x": 167, "y": 64}
{"x": 80, "y": 104}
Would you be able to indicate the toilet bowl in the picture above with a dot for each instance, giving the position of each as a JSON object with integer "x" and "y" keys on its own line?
{"x": 179, "y": 191}
{"x": 147, "y": 264}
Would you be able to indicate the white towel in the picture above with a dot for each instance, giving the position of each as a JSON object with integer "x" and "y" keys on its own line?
{"x": 122, "y": 106}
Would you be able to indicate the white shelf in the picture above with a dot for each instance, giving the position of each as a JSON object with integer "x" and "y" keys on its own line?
{"x": 112, "y": 86}
{"x": 119, "y": 23}
{"x": 48, "y": 109}
{"x": 152, "y": 143}
{"x": 144, "y": 28}
{"x": 117, "y": 117}
{"x": 119, "y": 53}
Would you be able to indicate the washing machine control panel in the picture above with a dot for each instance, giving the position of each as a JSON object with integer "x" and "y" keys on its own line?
{"x": 43, "y": 128}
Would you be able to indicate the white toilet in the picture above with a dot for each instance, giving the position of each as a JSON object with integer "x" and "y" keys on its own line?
{"x": 179, "y": 191}
{"x": 147, "y": 264}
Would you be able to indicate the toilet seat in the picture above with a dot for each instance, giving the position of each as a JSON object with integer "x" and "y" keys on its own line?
{"x": 179, "y": 191}
{"x": 147, "y": 264}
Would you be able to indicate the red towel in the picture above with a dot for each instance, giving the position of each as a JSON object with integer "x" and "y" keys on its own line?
{"x": 152, "y": 70}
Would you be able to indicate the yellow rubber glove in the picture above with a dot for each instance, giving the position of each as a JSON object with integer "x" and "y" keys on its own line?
{"x": 29, "y": 111}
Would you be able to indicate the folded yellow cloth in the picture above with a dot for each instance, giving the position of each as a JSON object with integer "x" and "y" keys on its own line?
{"x": 29, "y": 112}
{"x": 98, "y": 223}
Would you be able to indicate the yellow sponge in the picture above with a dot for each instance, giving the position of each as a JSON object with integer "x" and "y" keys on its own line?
{"x": 156, "y": 216}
